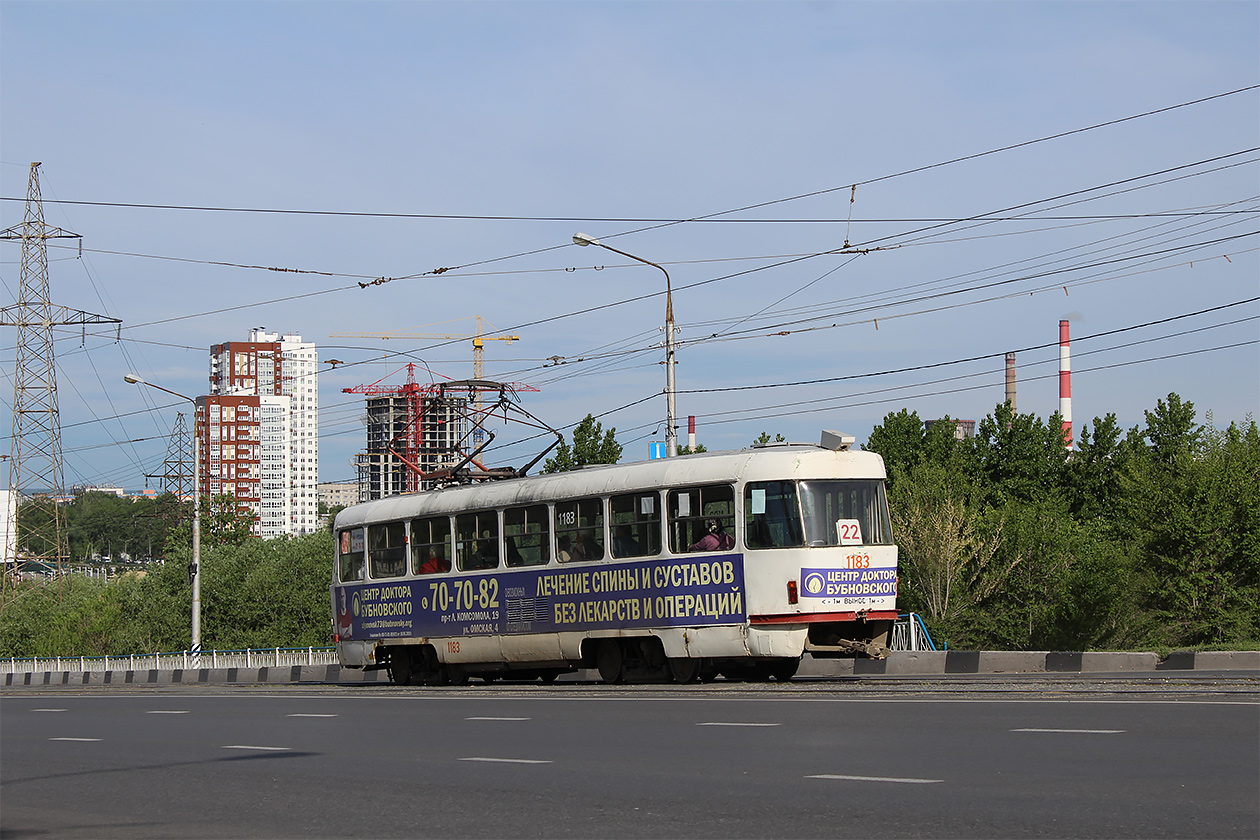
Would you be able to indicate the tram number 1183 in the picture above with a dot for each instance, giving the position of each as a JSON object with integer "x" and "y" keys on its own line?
{"x": 859, "y": 561}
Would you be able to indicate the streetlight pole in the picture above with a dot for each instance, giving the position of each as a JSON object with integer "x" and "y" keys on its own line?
{"x": 196, "y": 530}
{"x": 671, "y": 425}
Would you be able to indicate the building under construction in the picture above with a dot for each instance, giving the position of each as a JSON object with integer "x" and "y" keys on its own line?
{"x": 412, "y": 431}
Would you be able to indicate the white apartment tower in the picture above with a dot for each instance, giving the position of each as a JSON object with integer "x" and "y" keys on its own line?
{"x": 274, "y": 470}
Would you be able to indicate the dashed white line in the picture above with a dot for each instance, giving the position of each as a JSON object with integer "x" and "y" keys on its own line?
{"x": 497, "y": 718}
{"x": 721, "y": 723}
{"x": 48, "y": 710}
{"x": 1077, "y": 731}
{"x": 252, "y": 747}
{"x": 74, "y": 739}
{"x": 507, "y": 760}
{"x": 878, "y": 779}
{"x": 309, "y": 714}
{"x": 167, "y": 712}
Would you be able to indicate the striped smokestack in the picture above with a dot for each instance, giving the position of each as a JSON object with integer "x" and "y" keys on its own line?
{"x": 1010, "y": 381}
{"x": 691, "y": 432}
{"x": 1065, "y": 384}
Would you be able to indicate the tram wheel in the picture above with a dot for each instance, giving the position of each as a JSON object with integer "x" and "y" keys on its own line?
{"x": 550, "y": 676}
{"x": 399, "y": 666}
{"x": 684, "y": 670}
{"x": 456, "y": 675}
{"x": 609, "y": 661}
{"x": 784, "y": 669}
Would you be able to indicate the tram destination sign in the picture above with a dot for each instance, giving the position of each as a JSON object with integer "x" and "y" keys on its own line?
{"x": 656, "y": 593}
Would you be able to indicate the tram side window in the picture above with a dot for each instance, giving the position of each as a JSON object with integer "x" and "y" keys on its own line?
{"x": 350, "y": 554}
{"x": 636, "y": 525}
{"x": 431, "y": 545}
{"x": 772, "y": 515}
{"x": 387, "y": 550}
{"x": 477, "y": 540}
{"x": 526, "y": 536}
{"x": 580, "y": 530}
{"x": 699, "y": 512}
{"x": 827, "y": 503}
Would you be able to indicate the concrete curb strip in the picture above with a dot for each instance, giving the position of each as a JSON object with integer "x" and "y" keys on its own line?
{"x": 899, "y": 663}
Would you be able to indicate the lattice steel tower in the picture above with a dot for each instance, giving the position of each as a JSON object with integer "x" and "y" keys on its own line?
{"x": 176, "y": 475}
{"x": 35, "y": 468}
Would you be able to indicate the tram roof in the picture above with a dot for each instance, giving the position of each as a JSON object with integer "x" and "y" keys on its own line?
{"x": 760, "y": 463}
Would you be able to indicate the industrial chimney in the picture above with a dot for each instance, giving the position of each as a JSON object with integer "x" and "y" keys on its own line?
{"x": 1065, "y": 384}
{"x": 1010, "y": 381}
{"x": 691, "y": 433}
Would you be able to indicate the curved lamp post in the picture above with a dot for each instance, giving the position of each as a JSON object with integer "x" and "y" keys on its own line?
{"x": 196, "y": 532}
{"x": 671, "y": 426}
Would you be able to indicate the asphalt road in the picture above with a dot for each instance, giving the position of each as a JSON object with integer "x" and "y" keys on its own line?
{"x": 996, "y": 757}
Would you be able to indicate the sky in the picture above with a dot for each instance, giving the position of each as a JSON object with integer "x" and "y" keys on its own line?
{"x": 861, "y": 208}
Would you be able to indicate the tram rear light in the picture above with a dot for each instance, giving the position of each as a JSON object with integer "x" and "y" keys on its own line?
{"x": 792, "y": 595}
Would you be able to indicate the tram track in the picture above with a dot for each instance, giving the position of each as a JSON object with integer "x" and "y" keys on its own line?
{"x": 1222, "y": 687}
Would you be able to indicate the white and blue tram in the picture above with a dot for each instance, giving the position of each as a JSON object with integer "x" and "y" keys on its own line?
{"x": 735, "y": 563}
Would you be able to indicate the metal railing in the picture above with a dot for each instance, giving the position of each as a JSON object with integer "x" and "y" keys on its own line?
{"x": 910, "y": 633}
{"x": 184, "y": 659}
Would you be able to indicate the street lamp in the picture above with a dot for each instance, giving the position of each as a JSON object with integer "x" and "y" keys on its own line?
{"x": 671, "y": 427}
{"x": 196, "y": 533}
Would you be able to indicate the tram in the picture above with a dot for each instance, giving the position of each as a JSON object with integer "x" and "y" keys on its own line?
{"x": 732, "y": 563}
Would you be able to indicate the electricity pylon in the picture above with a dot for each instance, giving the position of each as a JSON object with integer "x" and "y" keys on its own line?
{"x": 35, "y": 468}
{"x": 176, "y": 474}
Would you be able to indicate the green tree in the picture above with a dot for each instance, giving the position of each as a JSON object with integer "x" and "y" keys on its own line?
{"x": 904, "y": 441}
{"x": 1019, "y": 456}
{"x": 947, "y": 544}
{"x": 899, "y": 439}
{"x": 591, "y": 445}
{"x": 1191, "y": 512}
{"x": 764, "y": 438}
{"x": 1172, "y": 430}
{"x": 1094, "y": 470}
{"x": 224, "y": 522}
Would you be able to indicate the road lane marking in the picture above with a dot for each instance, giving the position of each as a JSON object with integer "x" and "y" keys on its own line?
{"x": 74, "y": 739}
{"x": 1079, "y": 731}
{"x": 167, "y": 712}
{"x": 252, "y": 747}
{"x": 309, "y": 714}
{"x": 49, "y": 710}
{"x": 721, "y": 723}
{"x": 507, "y": 760}
{"x": 497, "y": 718}
{"x": 877, "y": 779}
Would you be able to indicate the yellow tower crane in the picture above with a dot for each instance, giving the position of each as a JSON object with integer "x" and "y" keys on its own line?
{"x": 479, "y": 340}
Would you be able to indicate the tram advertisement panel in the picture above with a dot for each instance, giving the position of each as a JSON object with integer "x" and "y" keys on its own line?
{"x": 863, "y": 586}
{"x": 656, "y": 593}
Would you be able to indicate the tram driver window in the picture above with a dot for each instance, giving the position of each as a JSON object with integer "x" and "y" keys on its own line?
{"x": 477, "y": 541}
{"x": 350, "y": 554}
{"x": 772, "y": 515}
{"x": 826, "y": 503}
{"x": 699, "y": 512}
{"x": 635, "y": 519}
{"x": 387, "y": 550}
{"x": 580, "y": 530}
{"x": 431, "y": 545}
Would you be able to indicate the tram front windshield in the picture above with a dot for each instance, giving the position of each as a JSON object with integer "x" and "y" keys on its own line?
{"x": 828, "y": 504}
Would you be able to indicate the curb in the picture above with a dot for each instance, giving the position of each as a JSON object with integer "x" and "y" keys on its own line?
{"x": 898, "y": 663}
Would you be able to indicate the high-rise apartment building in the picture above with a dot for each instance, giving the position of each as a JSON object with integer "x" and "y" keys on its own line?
{"x": 259, "y": 430}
